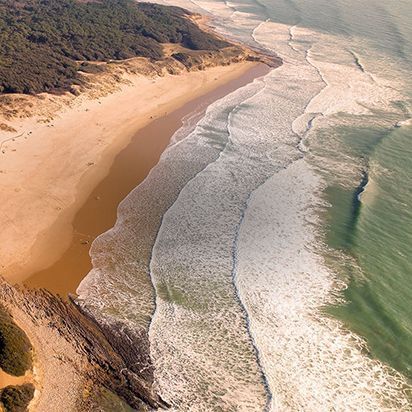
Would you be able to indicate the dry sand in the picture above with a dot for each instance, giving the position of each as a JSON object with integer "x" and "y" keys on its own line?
{"x": 6, "y": 379}
{"x": 50, "y": 169}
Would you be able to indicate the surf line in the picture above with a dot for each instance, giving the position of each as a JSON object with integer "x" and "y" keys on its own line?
{"x": 239, "y": 299}
{"x": 151, "y": 274}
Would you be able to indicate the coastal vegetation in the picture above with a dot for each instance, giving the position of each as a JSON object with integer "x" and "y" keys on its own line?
{"x": 44, "y": 44}
{"x": 16, "y": 398}
{"x": 15, "y": 347}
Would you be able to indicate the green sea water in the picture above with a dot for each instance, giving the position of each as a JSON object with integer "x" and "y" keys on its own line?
{"x": 370, "y": 218}
{"x": 369, "y": 236}
{"x": 376, "y": 232}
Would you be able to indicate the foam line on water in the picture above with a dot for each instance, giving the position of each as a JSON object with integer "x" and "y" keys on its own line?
{"x": 311, "y": 362}
{"x": 178, "y": 317}
{"x": 121, "y": 256}
{"x": 195, "y": 245}
{"x": 244, "y": 307}
{"x": 288, "y": 395}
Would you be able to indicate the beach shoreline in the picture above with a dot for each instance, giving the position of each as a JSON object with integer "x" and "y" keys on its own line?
{"x": 129, "y": 168}
{"x": 57, "y": 165}
{"x": 47, "y": 320}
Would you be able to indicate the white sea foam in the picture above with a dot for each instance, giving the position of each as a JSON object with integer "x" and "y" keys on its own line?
{"x": 407, "y": 122}
{"x": 121, "y": 256}
{"x": 200, "y": 346}
{"x": 203, "y": 357}
{"x": 311, "y": 363}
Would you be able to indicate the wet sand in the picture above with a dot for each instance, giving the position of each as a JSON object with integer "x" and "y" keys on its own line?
{"x": 130, "y": 167}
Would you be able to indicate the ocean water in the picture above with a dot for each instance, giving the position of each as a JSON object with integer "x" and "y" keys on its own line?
{"x": 268, "y": 255}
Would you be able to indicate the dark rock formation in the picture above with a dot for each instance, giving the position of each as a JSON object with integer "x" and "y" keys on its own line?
{"x": 114, "y": 357}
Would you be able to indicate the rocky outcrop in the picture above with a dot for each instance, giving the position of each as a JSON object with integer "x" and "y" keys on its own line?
{"x": 106, "y": 356}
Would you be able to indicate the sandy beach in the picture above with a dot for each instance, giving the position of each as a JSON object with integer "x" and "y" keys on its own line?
{"x": 6, "y": 379}
{"x": 49, "y": 171}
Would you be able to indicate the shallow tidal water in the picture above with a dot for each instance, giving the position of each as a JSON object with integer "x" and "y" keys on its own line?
{"x": 282, "y": 266}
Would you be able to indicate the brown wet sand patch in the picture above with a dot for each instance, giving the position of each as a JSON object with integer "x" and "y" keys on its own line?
{"x": 130, "y": 167}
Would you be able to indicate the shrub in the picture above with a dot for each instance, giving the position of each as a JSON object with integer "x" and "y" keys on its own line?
{"x": 15, "y": 347}
{"x": 16, "y": 398}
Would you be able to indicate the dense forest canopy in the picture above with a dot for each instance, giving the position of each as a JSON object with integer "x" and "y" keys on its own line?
{"x": 41, "y": 41}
